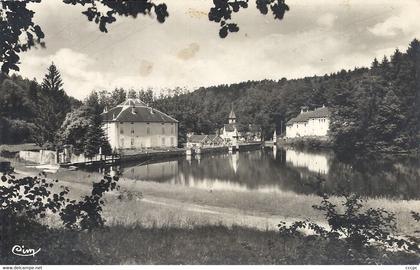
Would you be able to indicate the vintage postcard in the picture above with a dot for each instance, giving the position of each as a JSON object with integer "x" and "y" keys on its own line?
{"x": 209, "y": 132}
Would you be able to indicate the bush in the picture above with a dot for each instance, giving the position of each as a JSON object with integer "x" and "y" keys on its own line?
{"x": 26, "y": 200}
{"x": 13, "y": 131}
{"x": 359, "y": 229}
{"x": 86, "y": 214}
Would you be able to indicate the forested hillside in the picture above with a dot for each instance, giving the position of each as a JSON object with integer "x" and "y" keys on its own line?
{"x": 33, "y": 112}
{"x": 375, "y": 108}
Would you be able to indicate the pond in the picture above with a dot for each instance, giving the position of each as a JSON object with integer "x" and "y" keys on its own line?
{"x": 275, "y": 169}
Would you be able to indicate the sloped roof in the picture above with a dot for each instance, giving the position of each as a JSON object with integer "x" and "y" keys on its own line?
{"x": 197, "y": 138}
{"x": 305, "y": 116}
{"x": 232, "y": 115}
{"x": 134, "y": 110}
{"x": 212, "y": 137}
{"x": 132, "y": 102}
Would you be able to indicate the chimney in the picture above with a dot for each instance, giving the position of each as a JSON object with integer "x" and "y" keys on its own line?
{"x": 151, "y": 111}
{"x": 113, "y": 116}
{"x": 133, "y": 110}
{"x": 105, "y": 109}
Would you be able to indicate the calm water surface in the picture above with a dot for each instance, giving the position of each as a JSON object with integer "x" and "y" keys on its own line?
{"x": 290, "y": 170}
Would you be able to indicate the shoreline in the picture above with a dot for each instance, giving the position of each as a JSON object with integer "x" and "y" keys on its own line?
{"x": 148, "y": 203}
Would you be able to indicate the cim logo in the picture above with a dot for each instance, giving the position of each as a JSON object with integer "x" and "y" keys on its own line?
{"x": 24, "y": 252}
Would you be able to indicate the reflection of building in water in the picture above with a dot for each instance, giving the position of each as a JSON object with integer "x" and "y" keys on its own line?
{"x": 313, "y": 162}
{"x": 234, "y": 161}
{"x": 157, "y": 171}
{"x": 274, "y": 151}
{"x": 221, "y": 184}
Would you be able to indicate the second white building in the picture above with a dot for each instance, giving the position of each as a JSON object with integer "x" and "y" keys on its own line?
{"x": 314, "y": 123}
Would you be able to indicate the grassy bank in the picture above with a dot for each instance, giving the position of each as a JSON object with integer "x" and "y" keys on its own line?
{"x": 155, "y": 223}
{"x": 198, "y": 245}
{"x": 162, "y": 204}
{"x": 165, "y": 203}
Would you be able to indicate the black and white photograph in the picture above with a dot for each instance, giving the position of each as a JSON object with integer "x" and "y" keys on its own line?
{"x": 222, "y": 133}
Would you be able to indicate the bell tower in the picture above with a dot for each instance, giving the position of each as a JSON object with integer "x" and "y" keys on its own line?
{"x": 232, "y": 117}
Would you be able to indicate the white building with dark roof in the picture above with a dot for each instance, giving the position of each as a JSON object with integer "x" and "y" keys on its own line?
{"x": 229, "y": 133}
{"x": 134, "y": 125}
{"x": 314, "y": 123}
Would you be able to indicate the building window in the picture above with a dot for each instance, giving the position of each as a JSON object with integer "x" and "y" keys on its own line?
{"x": 172, "y": 130}
{"x": 163, "y": 130}
{"x": 132, "y": 130}
{"x": 121, "y": 130}
{"x": 172, "y": 141}
{"x": 148, "y": 130}
{"x": 163, "y": 141}
{"x": 132, "y": 142}
{"x": 122, "y": 143}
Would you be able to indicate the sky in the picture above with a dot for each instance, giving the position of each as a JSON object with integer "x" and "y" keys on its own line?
{"x": 314, "y": 38}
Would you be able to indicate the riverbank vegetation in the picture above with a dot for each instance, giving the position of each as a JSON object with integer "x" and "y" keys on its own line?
{"x": 199, "y": 245}
{"x": 87, "y": 239}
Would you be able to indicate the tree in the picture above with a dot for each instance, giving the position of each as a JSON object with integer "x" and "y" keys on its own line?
{"x": 375, "y": 63}
{"x": 132, "y": 94}
{"x": 147, "y": 96}
{"x": 117, "y": 96}
{"x": 74, "y": 129}
{"x": 51, "y": 107}
{"x": 390, "y": 117}
{"x": 95, "y": 138}
{"x": 52, "y": 81}
{"x": 16, "y": 20}
{"x": 82, "y": 127}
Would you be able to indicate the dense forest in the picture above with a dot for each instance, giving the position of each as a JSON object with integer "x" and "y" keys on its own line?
{"x": 375, "y": 108}
{"x": 32, "y": 111}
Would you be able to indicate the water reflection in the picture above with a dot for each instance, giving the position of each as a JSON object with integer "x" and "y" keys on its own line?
{"x": 278, "y": 170}
{"x": 159, "y": 172}
{"x": 317, "y": 163}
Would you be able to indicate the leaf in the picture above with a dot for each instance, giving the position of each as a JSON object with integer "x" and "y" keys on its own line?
{"x": 223, "y": 32}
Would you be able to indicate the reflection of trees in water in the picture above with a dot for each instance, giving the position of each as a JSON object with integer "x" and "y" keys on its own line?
{"x": 376, "y": 176}
{"x": 394, "y": 177}
{"x": 159, "y": 172}
{"x": 254, "y": 169}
